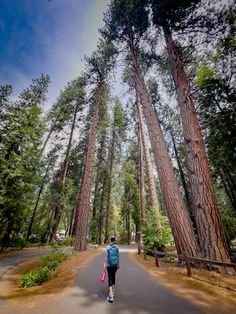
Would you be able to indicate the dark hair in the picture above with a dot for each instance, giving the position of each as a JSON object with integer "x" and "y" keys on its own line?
{"x": 113, "y": 239}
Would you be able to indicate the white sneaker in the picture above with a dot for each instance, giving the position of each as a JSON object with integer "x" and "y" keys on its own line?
{"x": 110, "y": 298}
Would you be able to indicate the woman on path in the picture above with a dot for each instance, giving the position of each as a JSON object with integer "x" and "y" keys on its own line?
{"x": 111, "y": 263}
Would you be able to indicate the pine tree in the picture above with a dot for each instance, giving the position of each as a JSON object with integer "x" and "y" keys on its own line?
{"x": 211, "y": 236}
{"x": 126, "y": 22}
{"x": 20, "y": 155}
{"x": 99, "y": 65}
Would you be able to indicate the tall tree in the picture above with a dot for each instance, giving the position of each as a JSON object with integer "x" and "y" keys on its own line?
{"x": 126, "y": 22}
{"x": 100, "y": 64}
{"x": 147, "y": 157}
{"x": 118, "y": 132}
{"x": 72, "y": 98}
{"x": 209, "y": 226}
{"x": 21, "y": 132}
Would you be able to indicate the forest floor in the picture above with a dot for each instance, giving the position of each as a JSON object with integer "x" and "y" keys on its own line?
{"x": 213, "y": 292}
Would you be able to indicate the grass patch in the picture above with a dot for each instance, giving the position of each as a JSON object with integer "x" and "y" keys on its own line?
{"x": 62, "y": 278}
{"x": 48, "y": 264}
{"x": 212, "y": 292}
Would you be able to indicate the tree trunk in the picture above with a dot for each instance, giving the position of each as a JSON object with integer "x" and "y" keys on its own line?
{"x": 81, "y": 176}
{"x": 182, "y": 176}
{"x": 82, "y": 208}
{"x": 101, "y": 214}
{"x": 96, "y": 192}
{"x": 141, "y": 175}
{"x": 180, "y": 222}
{"x": 138, "y": 233}
{"x": 63, "y": 174}
{"x": 109, "y": 166}
{"x": 210, "y": 230}
{"x": 128, "y": 227}
{"x": 147, "y": 158}
{"x": 47, "y": 139}
{"x": 36, "y": 204}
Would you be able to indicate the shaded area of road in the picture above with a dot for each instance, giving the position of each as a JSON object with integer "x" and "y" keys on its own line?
{"x": 137, "y": 293}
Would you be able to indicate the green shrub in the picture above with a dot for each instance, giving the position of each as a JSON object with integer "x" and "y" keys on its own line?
{"x": 69, "y": 241}
{"x": 53, "y": 265}
{"x": 48, "y": 264}
{"x": 156, "y": 237}
{"x": 33, "y": 278}
{"x": 49, "y": 259}
{"x": 17, "y": 242}
{"x": 55, "y": 246}
{"x": 171, "y": 259}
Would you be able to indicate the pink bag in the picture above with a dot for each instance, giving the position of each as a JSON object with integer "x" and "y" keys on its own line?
{"x": 103, "y": 277}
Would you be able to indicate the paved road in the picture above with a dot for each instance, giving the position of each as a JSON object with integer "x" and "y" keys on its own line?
{"x": 9, "y": 261}
{"x": 137, "y": 293}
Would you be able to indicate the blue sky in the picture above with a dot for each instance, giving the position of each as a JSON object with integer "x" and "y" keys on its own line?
{"x": 49, "y": 37}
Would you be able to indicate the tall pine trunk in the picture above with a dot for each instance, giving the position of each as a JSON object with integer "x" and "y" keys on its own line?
{"x": 36, "y": 204}
{"x": 209, "y": 227}
{"x": 94, "y": 227}
{"x": 82, "y": 208}
{"x": 147, "y": 158}
{"x": 109, "y": 167}
{"x": 63, "y": 174}
{"x": 141, "y": 175}
{"x": 101, "y": 213}
{"x": 180, "y": 222}
{"x": 182, "y": 176}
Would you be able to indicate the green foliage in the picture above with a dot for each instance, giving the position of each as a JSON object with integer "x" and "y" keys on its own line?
{"x": 154, "y": 236}
{"x": 131, "y": 200}
{"x": 126, "y": 18}
{"x": 171, "y": 259}
{"x": 69, "y": 241}
{"x": 49, "y": 259}
{"x": 205, "y": 74}
{"x": 171, "y": 12}
{"x": 16, "y": 242}
{"x": 55, "y": 246}
{"x": 49, "y": 263}
{"x": 34, "y": 278}
{"x": 21, "y": 131}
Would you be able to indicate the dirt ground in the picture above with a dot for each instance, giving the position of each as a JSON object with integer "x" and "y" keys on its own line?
{"x": 213, "y": 292}
{"x": 62, "y": 279}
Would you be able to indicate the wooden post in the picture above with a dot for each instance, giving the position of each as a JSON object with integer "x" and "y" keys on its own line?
{"x": 144, "y": 254}
{"x": 187, "y": 264}
{"x": 156, "y": 257}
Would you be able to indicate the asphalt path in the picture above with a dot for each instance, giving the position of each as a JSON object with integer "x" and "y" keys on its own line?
{"x": 136, "y": 293}
{"x": 12, "y": 259}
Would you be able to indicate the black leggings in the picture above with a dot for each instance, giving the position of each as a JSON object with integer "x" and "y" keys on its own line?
{"x": 111, "y": 275}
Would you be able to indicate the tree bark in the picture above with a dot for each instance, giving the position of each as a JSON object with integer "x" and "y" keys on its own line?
{"x": 182, "y": 176}
{"x": 36, "y": 204}
{"x": 47, "y": 139}
{"x": 63, "y": 174}
{"x": 100, "y": 159}
{"x": 141, "y": 174}
{"x": 109, "y": 166}
{"x": 147, "y": 158}
{"x": 180, "y": 222}
{"x": 82, "y": 208}
{"x": 101, "y": 213}
{"x": 210, "y": 230}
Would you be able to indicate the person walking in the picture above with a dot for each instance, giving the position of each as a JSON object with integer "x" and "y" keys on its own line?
{"x": 111, "y": 263}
